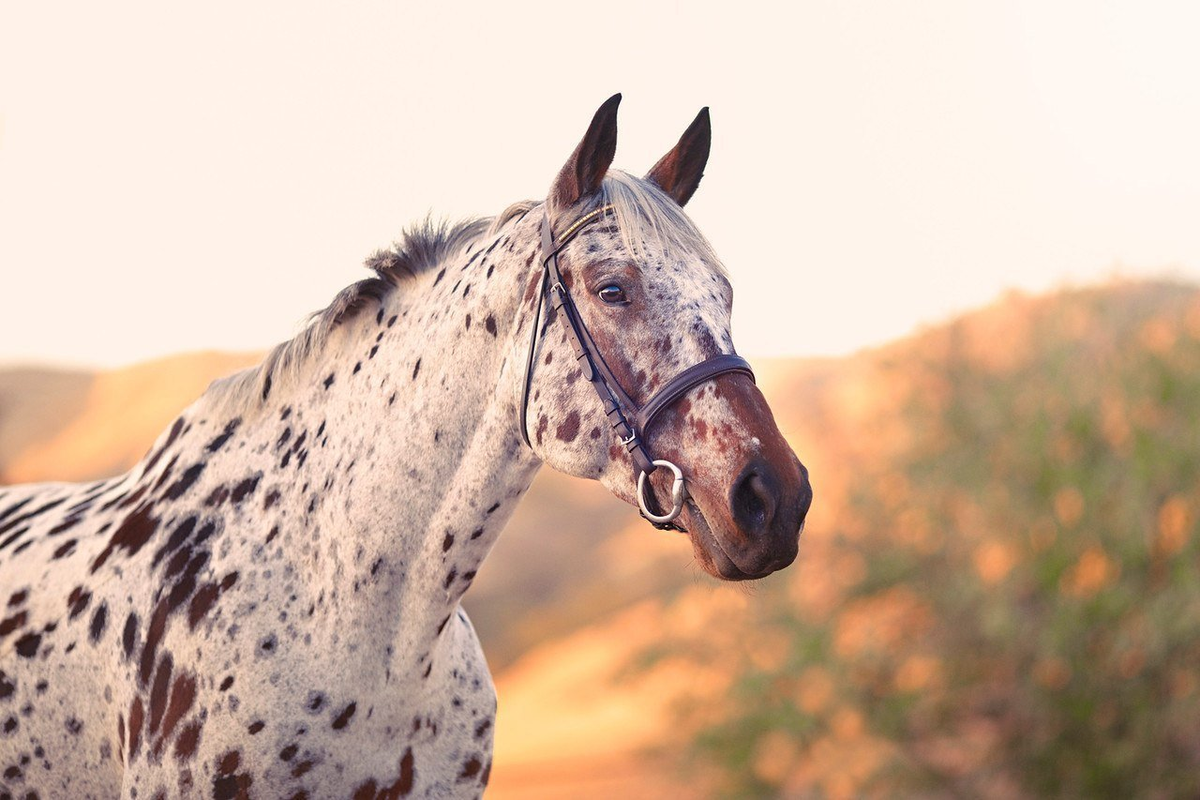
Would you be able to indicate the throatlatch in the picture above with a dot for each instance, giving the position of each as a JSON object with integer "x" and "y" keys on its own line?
{"x": 628, "y": 420}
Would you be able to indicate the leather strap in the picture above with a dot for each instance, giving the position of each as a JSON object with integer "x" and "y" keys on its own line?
{"x": 617, "y": 402}
{"x": 687, "y": 380}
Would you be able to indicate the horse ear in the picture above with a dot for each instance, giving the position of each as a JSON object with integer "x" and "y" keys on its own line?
{"x": 678, "y": 173}
{"x": 586, "y": 167}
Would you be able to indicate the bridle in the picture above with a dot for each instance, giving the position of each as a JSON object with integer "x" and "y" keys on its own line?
{"x": 628, "y": 420}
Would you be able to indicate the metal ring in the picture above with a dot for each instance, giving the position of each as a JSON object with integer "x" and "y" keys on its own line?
{"x": 678, "y": 494}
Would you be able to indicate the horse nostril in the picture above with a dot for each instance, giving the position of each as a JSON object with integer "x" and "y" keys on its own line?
{"x": 752, "y": 502}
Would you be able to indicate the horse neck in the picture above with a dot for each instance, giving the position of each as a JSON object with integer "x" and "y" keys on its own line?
{"x": 418, "y": 405}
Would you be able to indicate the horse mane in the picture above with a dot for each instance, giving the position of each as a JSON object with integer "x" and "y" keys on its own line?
{"x": 645, "y": 216}
{"x": 421, "y": 247}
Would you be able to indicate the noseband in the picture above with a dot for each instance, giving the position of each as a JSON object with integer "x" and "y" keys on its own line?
{"x": 628, "y": 420}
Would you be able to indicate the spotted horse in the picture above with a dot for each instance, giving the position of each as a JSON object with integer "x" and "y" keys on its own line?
{"x": 268, "y": 604}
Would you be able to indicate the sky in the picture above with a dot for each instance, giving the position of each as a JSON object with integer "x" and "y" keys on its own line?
{"x": 202, "y": 177}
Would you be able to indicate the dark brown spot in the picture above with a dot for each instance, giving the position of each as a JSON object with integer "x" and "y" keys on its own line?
{"x": 344, "y": 718}
{"x": 183, "y": 695}
{"x": 490, "y": 324}
{"x": 219, "y": 442}
{"x": 27, "y": 645}
{"x": 99, "y": 620}
{"x": 64, "y": 526}
{"x": 245, "y": 488}
{"x": 128, "y": 635}
{"x": 136, "y": 716}
{"x": 189, "y": 738}
{"x": 15, "y": 622}
{"x": 228, "y": 763}
{"x": 232, "y": 787}
{"x": 568, "y": 429}
{"x": 158, "y": 694}
{"x": 14, "y": 508}
{"x": 447, "y": 542}
{"x": 154, "y": 634}
{"x": 178, "y": 536}
{"x": 470, "y": 769}
{"x": 404, "y": 783}
{"x": 134, "y": 531}
{"x": 202, "y": 603}
{"x": 78, "y": 601}
{"x": 17, "y": 520}
{"x": 217, "y": 496}
{"x": 177, "y": 489}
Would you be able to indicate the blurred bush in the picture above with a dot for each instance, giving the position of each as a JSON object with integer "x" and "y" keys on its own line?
{"x": 1004, "y": 599}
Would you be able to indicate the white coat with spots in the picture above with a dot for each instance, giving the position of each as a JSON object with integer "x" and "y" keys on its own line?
{"x": 268, "y": 604}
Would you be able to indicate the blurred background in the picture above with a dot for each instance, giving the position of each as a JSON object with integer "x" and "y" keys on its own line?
{"x": 963, "y": 241}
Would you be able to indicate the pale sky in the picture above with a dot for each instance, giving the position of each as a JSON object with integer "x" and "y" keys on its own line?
{"x": 201, "y": 177}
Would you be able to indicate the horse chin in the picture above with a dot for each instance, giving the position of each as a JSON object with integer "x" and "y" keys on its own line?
{"x": 708, "y": 550}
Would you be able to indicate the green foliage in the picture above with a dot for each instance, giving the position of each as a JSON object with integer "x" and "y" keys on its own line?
{"x": 1025, "y": 613}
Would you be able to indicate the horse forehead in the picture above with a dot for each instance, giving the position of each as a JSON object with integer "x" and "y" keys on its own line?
{"x": 682, "y": 278}
{"x": 691, "y": 291}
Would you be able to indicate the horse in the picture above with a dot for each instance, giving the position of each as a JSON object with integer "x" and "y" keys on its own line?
{"x": 268, "y": 603}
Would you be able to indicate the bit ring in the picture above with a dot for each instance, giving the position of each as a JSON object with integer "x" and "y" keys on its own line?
{"x": 678, "y": 494}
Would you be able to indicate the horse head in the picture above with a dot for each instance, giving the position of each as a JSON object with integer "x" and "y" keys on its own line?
{"x": 642, "y": 361}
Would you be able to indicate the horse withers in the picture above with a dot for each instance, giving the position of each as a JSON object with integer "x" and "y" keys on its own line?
{"x": 268, "y": 604}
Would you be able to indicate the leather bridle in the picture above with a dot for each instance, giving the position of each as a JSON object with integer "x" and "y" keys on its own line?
{"x": 628, "y": 420}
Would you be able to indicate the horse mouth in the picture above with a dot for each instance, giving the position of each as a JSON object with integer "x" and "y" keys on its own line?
{"x": 709, "y": 551}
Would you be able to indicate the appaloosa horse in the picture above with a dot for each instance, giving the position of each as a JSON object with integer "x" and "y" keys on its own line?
{"x": 268, "y": 604}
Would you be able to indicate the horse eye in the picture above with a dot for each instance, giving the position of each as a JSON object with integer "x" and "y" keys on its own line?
{"x": 612, "y": 294}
